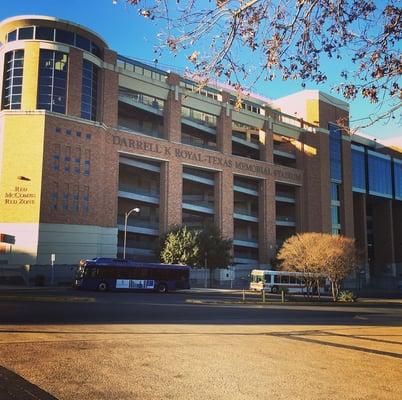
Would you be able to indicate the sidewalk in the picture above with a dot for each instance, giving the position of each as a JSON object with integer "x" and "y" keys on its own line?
{"x": 7, "y": 288}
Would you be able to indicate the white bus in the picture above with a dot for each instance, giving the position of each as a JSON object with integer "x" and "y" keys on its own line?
{"x": 294, "y": 282}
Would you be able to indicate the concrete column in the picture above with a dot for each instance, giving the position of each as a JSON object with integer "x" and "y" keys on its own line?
{"x": 267, "y": 221}
{"x": 397, "y": 214}
{"x": 267, "y": 142}
{"x": 172, "y": 112}
{"x": 360, "y": 224}
{"x": 224, "y": 127}
{"x": 224, "y": 202}
{"x": 316, "y": 195}
{"x": 171, "y": 190}
{"x": 299, "y": 209}
{"x": 110, "y": 91}
{"x": 30, "y": 80}
{"x": 383, "y": 231}
{"x": 74, "y": 83}
{"x": 346, "y": 194}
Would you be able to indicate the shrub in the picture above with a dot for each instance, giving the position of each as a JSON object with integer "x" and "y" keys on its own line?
{"x": 347, "y": 296}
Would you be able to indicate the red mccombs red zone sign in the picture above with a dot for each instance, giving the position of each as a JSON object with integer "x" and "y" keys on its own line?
{"x": 10, "y": 239}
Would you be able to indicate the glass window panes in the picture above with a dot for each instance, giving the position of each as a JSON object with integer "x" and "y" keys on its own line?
{"x": 335, "y": 144}
{"x": 89, "y": 93}
{"x": 52, "y": 89}
{"x": 335, "y": 191}
{"x": 95, "y": 49}
{"x": 379, "y": 174}
{"x": 11, "y": 36}
{"x": 398, "y": 178}
{"x": 358, "y": 169}
{"x": 25, "y": 33}
{"x": 12, "y": 79}
{"x": 66, "y": 37}
{"x": 335, "y": 215}
{"x": 83, "y": 43}
{"x": 44, "y": 33}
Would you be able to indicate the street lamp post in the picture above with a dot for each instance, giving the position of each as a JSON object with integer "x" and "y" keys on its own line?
{"x": 136, "y": 210}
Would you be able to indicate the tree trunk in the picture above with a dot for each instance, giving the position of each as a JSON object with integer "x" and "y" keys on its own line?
{"x": 318, "y": 290}
{"x": 334, "y": 295}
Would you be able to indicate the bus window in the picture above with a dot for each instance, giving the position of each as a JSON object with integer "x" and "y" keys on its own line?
{"x": 162, "y": 274}
{"x": 293, "y": 280}
{"x": 267, "y": 278}
{"x": 285, "y": 279}
{"x": 91, "y": 272}
{"x": 277, "y": 278}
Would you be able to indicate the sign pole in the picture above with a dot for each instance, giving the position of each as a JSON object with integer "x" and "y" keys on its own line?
{"x": 52, "y": 260}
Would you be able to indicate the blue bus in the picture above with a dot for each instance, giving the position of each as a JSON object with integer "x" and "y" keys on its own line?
{"x": 105, "y": 274}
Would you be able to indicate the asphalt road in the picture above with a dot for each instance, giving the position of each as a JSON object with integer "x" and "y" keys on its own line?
{"x": 69, "y": 306}
{"x": 64, "y": 344}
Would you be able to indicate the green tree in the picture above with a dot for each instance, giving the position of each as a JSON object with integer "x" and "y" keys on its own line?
{"x": 320, "y": 253}
{"x": 214, "y": 247}
{"x": 196, "y": 247}
{"x": 181, "y": 246}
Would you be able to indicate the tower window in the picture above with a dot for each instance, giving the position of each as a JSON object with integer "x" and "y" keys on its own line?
{"x": 12, "y": 86}
{"x": 89, "y": 94}
{"x": 53, "y": 66}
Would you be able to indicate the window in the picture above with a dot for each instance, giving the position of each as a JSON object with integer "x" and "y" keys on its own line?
{"x": 67, "y": 158}
{"x": 379, "y": 174}
{"x": 25, "y": 33}
{"x": 335, "y": 191}
{"x": 56, "y": 157}
{"x": 66, "y": 37}
{"x": 336, "y": 220}
{"x": 83, "y": 43}
{"x": 89, "y": 94}
{"x": 95, "y": 50}
{"x": 66, "y": 195}
{"x": 11, "y": 36}
{"x": 398, "y": 178}
{"x": 358, "y": 169}
{"x": 44, "y": 33}
{"x": 12, "y": 86}
{"x": 335, "y": 144}
{"x": 75, "y": 205}
{"x": 87, "y": 162}
{"x": 54, "y": 196}
{"x": 53, "y": 67}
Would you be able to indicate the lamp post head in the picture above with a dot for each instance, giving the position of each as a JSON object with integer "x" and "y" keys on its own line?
{"x": 136, "y": 209}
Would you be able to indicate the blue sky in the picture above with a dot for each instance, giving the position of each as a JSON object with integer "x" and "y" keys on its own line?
{"x": 131, "y": 35}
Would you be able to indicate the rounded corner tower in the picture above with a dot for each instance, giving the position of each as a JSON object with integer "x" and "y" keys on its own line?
{"x": 55, "y": 77}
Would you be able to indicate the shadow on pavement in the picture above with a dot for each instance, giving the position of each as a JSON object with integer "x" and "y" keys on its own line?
{"x": 301, "y": 338}
{"x": 13, "y": 386}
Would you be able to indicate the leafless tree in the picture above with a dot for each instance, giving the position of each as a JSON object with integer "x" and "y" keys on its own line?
{"x": 245, "y": 41}
{"x": 320, "y": 253}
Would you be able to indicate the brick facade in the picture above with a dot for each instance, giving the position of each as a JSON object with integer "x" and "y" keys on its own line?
{"x": 80, "y": 176}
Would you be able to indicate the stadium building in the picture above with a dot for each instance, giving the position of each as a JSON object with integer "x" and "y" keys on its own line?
{"x": 87, "y": 135}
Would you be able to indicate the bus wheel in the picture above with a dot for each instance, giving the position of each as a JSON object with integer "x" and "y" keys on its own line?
{"x": 275, "y": 289}
{"x": 162, "y": 288}
{"x": 103, "y": 287}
